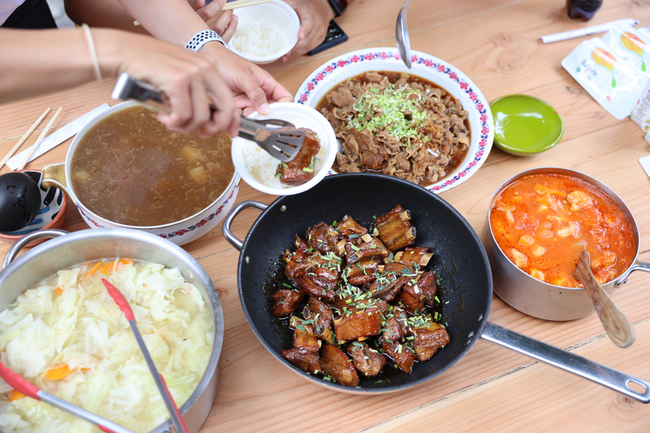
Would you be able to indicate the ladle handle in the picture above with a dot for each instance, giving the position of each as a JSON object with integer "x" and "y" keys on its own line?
{"x": 599, "y": 373}
{"x": 616, "y": 324}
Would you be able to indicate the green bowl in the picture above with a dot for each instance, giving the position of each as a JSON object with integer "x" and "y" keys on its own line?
{"x": 524, "y": 125}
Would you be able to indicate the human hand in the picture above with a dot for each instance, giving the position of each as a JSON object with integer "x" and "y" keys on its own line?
{"x": 253, "y": 87}
{"x": 222, "y": 22}
{"x": 315, "y": 16}
{"x": 189, "y": 80}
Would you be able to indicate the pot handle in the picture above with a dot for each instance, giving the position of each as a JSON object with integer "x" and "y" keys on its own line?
{"x": 637, "y": 266}
{"x": 25, "y": 240}
{"x": 227, "y": 222}
{"x": 606, "y": 376}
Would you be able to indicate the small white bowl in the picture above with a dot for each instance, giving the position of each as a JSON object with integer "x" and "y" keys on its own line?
{"x": 276, "y": 15}
{"x": 257, "y": 167}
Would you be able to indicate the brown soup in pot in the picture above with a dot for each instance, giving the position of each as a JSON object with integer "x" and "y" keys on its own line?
{"x": 130, "y": 169}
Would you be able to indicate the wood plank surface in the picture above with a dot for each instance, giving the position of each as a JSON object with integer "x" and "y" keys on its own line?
{"x": 496, "y": 43}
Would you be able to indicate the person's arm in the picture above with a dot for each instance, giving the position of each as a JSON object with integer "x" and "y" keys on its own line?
{"x": 177, "y": 22}
{"x": 111, "y": 14}
{"x": 37, "y": 62}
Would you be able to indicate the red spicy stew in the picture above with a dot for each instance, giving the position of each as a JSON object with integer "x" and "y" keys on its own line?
{"x": 543, "y": 222}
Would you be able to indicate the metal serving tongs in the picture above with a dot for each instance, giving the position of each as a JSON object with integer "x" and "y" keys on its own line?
{"x": 31, "y": 390}
{"x": 281, "y": 139}
{"x": 177, "y": 419}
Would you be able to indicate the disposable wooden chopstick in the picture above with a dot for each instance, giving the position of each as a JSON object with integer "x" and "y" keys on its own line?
{"x": 242, "y": 4}
{"x": 23, "y": 138}
{"x": 33, "y": 148}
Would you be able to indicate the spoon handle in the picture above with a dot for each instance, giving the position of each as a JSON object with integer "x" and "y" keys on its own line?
{"x": 618, "y": 327}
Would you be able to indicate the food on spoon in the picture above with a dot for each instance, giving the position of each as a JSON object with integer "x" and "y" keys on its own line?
{"x": 130, "y": 169}
{"x": 301, "y": 168}
{"x": 67, "y": 336}
{"x": 375, "y": 321}
{"x": 543, "y": 222}
{"x": 20, "y": 201}
{"x": 397, "y": 124}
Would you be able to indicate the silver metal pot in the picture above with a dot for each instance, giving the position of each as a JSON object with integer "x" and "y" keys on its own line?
{"x": 535, "y": 297}
{"x": 69, "y": 249}
{"x": 179, "y": 232}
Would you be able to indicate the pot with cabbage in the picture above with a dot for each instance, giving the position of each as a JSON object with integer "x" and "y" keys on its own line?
{"x": 60, "y": 330}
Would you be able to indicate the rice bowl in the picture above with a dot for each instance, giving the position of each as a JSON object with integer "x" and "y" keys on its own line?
{"x": 265, "y": 32}
{"x": 258, "y": 168}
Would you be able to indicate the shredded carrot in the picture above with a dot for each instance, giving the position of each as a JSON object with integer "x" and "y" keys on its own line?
{"x": 57, "y": 372}
{"x": 94, "y": 268}
{"x": 108, "y": 267}
{"x": 15, "y": 395}
{"x": 58, "y": 291}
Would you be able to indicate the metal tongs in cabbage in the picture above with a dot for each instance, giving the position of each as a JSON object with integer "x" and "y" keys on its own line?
{"x": 30, "y": 390}
{"x": 177, "y": 419}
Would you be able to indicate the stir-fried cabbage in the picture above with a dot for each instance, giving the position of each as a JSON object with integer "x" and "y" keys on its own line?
{"x": 69, "y": 338}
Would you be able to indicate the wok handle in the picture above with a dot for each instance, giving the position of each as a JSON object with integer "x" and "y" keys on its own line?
{"x": 568, "y": 361}
{"x": 25, "y": 240}
{"x": 227, "y": 222}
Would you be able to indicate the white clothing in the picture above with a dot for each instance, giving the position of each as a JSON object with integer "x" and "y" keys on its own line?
{"x": 7, "y": 7}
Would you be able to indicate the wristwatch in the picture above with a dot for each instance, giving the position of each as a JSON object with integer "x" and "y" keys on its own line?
{"x": 338, "y": 6}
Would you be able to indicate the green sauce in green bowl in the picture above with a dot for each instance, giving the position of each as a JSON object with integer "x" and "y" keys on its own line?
{"x": 525, "y": 125}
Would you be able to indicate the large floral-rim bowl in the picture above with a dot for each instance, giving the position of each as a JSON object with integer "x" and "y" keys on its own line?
{"x": 441, "y": 73}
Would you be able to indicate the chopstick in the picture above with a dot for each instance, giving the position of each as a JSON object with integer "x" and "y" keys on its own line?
{"x": 230, "y": 6}
{"x": 23, "y": 138}
{"x": 32, "y": 149}
{"x": 242, "y": 4}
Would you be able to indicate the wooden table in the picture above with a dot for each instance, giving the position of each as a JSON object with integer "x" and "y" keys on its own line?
{"x": 496, "y": 43}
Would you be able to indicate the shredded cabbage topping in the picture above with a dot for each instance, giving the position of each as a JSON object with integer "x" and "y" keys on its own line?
{"x": 69, "y": 338}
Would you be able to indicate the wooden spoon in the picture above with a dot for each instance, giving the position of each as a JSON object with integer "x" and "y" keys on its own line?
{"x": 617, "y": 326}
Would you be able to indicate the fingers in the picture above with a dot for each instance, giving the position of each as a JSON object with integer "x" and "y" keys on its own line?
{"x": 212, "y": 11}
{"x": 196, "y": 4}
{"x": 190, "y": 81}
{"x": 225, "y": 25}
{"x": 230, "y": 30}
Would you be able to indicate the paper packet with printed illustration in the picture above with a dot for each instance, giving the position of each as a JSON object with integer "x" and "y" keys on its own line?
{"x": 606, "y": 74}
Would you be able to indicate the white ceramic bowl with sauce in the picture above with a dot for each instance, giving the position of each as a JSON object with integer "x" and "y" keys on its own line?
{"x": 277, "y": 19}
{"x": 257, "y": 168}
{"x": 178, "y": 232}
{"x": 335, "y": 71}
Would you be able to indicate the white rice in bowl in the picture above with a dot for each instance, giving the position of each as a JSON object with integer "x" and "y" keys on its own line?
{"x": 259, "y": 39}
{"x": 263, "y": 167}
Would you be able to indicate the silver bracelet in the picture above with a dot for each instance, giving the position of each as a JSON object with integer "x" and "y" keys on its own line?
{"x": 93, "y": 54}
{"x": 202, "y": 38}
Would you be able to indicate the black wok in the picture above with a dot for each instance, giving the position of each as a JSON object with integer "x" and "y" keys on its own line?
{"x": 459, "y": 259}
